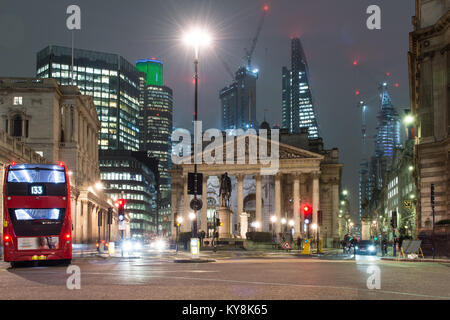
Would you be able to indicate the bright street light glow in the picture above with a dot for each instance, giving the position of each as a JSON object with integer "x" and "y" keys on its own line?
{"x": 345, "y": 192}
{"x": 197, "y": 38}
{"x": 408, "y": 119}
{"x": 283, "y": 221}
{"x": 314, "y": 226}
{"x": 98, "y": 186}
{"x": 273, "y": 219}
{"x": 256, "y": 224}
{"x": 291, "y": 223}
{"x": 192, "y": 216}
{"x": 180, "y": 220}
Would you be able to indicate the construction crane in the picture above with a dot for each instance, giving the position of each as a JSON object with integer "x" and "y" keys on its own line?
{"x": 249, "y": 53}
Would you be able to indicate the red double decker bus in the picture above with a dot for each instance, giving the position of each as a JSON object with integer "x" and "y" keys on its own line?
{"x": 36, "y": 209}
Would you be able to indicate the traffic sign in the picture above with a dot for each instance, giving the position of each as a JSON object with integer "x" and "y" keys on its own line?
{"x": 196, "y": 204}
{"x": 286, "y": 246}
{"x": 407, "y": 204}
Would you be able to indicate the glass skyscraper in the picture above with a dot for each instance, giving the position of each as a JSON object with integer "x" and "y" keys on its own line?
{"x": 297, "y": 101}
{"x": 133, "y": 173}
{"x": 388, "y": 129}
{"x": 156, "y": 121}
{"x": 238, "y": 101}
{"x": 111, "y": 80}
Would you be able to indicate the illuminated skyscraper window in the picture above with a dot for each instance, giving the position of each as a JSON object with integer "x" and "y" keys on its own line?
{"x": 297, "y": 101}
{"x": 111, "y": 80}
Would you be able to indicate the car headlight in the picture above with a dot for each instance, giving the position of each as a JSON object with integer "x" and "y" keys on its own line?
{"x": 160, "y": 244}
{"x": 137, "y": 246}
{"x": 127, "y": 245}
{"x": 371, "y": 248}
{"x": 356, "y": 247}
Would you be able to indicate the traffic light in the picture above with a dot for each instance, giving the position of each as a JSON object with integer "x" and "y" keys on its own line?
{"x": 121, "y": 207}
{"x": 394, "y": 219}
{"x": 307, "y": 212}
{"x": 319, "y": 217}
{"x": 195, "y": 181}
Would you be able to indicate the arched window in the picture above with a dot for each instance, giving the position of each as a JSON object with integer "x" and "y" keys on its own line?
{"x": 16, "y": 126}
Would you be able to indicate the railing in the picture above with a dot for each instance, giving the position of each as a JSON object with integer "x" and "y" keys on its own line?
{"x": 18, "y": 150}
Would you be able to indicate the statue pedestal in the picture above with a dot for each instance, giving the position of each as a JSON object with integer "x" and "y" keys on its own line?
{"x": 225, "y": 218}
{"x": 244, "y": 224}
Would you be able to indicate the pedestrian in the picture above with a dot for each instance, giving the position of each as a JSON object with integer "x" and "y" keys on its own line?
{"x": 299, "y": 243}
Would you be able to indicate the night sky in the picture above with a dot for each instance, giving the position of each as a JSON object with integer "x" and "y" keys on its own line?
{"x": 333, "y": 35}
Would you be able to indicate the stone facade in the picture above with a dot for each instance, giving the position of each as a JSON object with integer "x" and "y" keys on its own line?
{"x": 429, "y": 65}
{"x": 60, "y": 124}
{"x": 303, "y": 177}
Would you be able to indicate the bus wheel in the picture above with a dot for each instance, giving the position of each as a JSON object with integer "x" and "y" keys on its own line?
{"x": 13, "y": 264}
{"x": 66, "y": 262}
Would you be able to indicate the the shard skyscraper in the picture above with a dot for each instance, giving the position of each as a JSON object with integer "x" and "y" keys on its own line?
{"x": 297, "y": 101}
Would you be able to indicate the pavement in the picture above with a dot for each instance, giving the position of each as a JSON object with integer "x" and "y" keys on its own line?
{"x": 233, "y": 275}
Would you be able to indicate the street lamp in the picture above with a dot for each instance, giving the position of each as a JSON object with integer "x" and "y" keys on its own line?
{"x": 408, "y": 119}
{"x": 345, "y": 192}
{"x": 196, "y": 38}
{"x": 179, "y": 222}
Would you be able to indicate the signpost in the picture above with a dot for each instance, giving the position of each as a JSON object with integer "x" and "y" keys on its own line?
{"x": 195, "y": 248}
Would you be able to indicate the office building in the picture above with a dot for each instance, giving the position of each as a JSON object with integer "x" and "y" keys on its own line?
{"x": 111, "y": 80}
{"x": 238, "y": 101}
{"x": 297, "y": 101}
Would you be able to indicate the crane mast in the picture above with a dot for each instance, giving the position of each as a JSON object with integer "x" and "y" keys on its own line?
{"x": 249, "y": 53}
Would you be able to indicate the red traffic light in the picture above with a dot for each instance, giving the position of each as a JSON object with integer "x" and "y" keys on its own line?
{"x": 121, "y": 202}
{"x": 307, "y": 209}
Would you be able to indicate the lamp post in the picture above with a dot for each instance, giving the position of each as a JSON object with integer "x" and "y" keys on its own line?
{"x": 192, "y": 217}
{"x": 196, "y": 38}
{"x": 273, "y": 219}
{"x": 179, "y": 222}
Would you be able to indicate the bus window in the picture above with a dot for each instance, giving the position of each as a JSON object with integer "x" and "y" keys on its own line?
{"x": 37, "y": 214}
{"x": 32, "y": 176}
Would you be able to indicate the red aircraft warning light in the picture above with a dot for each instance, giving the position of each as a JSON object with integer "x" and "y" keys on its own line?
{"x": 266, "y": 8}
{"x": 357, "y": 92}
{"x": 355, "y": 63}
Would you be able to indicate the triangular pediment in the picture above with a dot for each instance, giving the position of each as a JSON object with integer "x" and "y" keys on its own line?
{"x": 252, "y": 146}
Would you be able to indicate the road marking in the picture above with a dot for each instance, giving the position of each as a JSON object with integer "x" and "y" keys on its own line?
{"x": 263, "y": 283}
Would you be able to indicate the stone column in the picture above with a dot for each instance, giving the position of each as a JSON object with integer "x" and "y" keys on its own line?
{"x": 204, "y": 212}
{"x": 335, "y": 211}
{"x": 186, "y": 225}
{"x": 259, "y": 217}
{"x": 278, "y": 202}
{"x": 240, "y": 194}
{"x": 243, "y": 219}
{"x": 315, "y": 195}
{"x": 296, "y": 205}
{"x": 85, "y": 219}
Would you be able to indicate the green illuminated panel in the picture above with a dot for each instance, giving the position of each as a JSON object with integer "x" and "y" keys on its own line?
{"x": 153, "y": 70}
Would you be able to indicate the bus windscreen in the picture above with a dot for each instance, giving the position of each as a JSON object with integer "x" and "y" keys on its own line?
{"x": 36, "y": 176}
{"x": 37, "y": 214}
